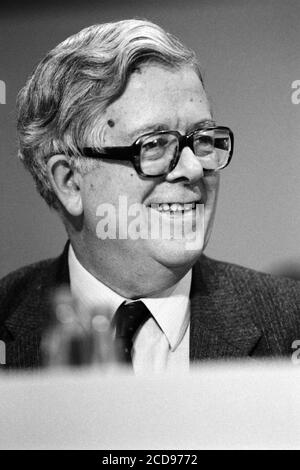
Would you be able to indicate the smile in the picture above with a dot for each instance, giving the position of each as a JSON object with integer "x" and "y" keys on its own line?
{"x": 174, "y": 207}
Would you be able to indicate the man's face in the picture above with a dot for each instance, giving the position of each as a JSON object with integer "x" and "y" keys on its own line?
{"x": 156, "y": 98}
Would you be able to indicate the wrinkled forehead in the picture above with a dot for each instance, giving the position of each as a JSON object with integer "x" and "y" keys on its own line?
{"x": 155, "y": 95}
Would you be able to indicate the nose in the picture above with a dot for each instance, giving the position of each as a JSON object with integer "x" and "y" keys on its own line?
{"x": 188, "y": 167}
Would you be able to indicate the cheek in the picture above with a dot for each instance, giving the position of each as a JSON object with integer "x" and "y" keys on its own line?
{"x": 110, "y": 184}
{"x": 92, "y": 192}
{"x": 212, "y": 184}
{"x": 99, "y": 186}
{"x": 91, "y": 203}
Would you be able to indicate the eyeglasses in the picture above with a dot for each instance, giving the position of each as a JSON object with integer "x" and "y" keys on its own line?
{"x": 157, "y": 153}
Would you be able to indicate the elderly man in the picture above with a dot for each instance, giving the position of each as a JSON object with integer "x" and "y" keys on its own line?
{"x": 115, "y": 122}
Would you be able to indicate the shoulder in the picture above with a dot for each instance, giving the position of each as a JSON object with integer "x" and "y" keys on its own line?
{"x": 25, "y": 274}
{"x": 25, "y": 283}
{"x": 266, "y": 297}
{"x": 245, "y": 278}
{"x": 26, "y": 277}
{"x": 25, "y": 308}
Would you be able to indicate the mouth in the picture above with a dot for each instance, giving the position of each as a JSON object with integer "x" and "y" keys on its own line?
{"x": 175, "y": 207}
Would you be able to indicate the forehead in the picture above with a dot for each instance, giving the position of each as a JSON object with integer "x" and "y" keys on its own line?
{"x": 159, "y": 96}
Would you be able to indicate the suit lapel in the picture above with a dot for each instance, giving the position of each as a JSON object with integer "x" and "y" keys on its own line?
{"x": 221, "y": 326}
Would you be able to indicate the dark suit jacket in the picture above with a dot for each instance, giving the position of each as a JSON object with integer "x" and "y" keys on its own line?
{"x": 235, "y": 312}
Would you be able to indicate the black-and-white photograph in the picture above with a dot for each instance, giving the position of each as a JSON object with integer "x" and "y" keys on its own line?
{"x": 150, "y": 196}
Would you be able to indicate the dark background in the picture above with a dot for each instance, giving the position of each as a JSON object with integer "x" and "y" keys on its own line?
{"x": 251, "y": 55}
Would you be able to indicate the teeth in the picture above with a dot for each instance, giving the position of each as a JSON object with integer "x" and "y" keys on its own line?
{"x": 174, "y": 207}
{"x": 189, "y": 206}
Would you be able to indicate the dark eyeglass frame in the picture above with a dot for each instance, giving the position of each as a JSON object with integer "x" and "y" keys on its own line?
{"x": 132, "y": 152}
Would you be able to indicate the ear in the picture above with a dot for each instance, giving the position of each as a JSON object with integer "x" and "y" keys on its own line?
{"x": 66, "y": 184}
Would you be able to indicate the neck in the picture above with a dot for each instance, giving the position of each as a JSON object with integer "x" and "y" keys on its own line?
{"x": 125, "y": 276}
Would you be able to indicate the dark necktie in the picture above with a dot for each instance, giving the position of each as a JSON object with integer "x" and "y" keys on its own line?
{"x": 128, "y": 319}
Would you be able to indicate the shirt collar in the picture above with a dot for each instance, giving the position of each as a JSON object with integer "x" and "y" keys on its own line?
{"x": 170, "y": 308}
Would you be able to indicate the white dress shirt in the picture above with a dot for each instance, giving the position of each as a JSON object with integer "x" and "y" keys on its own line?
{"x": 156, "y": 349}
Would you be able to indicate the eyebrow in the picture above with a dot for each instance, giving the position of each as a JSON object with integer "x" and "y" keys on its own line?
{"x": 150, "y": 128}
{"x": 163, "y": 127}
{"x": 200, "y": 124}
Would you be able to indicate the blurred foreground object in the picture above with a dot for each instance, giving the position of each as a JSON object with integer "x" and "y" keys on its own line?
{"x": 238, "y": 405}
{"x": 76, "y": 337}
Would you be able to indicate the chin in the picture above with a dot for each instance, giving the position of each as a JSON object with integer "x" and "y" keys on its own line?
{"x": 174, "y": 253}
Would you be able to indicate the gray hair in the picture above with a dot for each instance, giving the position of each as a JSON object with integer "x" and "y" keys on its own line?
{"x": 61, "y": 105}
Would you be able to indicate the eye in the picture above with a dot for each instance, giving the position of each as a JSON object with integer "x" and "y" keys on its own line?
{"x": 150, "y": 145}
{"x": 222, "y": 143}
{"x": 204, "y": 141}
{"x": 156, "y": 143}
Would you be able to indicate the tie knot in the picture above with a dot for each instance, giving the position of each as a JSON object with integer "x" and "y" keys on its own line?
{"x": 128, "y": 319}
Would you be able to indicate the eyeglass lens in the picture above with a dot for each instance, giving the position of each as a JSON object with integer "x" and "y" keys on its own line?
{"x": 211, "y": 146}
